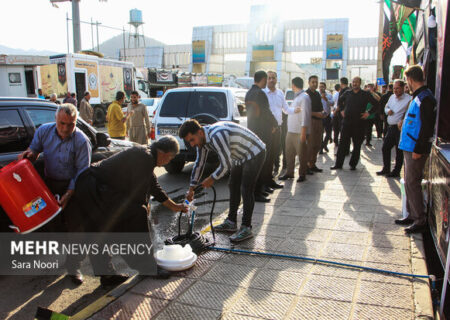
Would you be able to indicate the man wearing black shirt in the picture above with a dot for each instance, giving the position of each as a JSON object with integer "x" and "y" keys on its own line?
{"x": 113, "y": 196}
{"x": 384, "y": 99}
{"x": 261, "y": 121}
{"x": 353, "y": 105}
{"x": 337, "y": 117}
{"x": 317, "y": 115}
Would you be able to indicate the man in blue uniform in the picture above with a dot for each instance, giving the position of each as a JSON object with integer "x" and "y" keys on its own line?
{"x": 415, "y": 141}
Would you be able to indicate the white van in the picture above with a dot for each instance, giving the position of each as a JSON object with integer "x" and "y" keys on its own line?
{"x": 206, "y": 104}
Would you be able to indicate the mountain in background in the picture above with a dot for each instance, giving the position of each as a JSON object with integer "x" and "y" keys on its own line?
{"x": 33, "y": 52}
{"x": 110, "y": 48}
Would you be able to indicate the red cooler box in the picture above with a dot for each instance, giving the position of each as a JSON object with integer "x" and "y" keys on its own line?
{"x": 25, "y": 197}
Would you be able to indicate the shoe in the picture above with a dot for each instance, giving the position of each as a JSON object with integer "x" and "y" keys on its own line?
{"x": 352, "y": 168}
{"x": 112, "y": 280}
{"x": 76, "y": 277}
{"x": 285, "y": 177}
{"x": 301, "y": 179}
{"x": 261, "y": 198}
{"x": 226, "y": 226}
{"x": 335, "y": 168}
{"x": 309, "y": 171}
{"x": 326, "y": 149}
{"x": 275, "y": 185}
{"x": 268, "y": 190}
{"x": 404, "y": 221}
{"x": 243, "y": 234}
{"x": 382, "y": 172}
{"x": 315, "y": 169}
{"x": 416, "y": 228}
{"x": 393, "y": 174}
{"x": 275, "y": 172}
{"x": 321, "y": 152}
{"x": 369, "y": 144}
{"x": 263, "y": 193}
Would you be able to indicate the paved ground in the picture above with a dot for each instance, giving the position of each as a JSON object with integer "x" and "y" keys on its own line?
{"x": 345, "y": 216}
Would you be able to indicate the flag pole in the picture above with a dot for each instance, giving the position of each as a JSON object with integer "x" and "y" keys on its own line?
{"x": 380, "y": 41}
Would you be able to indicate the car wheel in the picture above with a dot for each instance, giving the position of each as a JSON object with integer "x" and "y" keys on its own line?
{"x": 174, "y": 166}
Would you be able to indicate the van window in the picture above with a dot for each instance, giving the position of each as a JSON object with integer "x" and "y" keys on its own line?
{"x": 214, "y": 103}
{"x": 175, "y": 104}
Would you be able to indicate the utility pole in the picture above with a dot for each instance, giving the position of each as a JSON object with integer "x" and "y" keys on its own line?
{"x": 67, "y": 29}
{"x": 124, "y": 48}
{"x": 98, "y": 43}
{"x": 92, "y": 33}
{"x": 76, "y": 26}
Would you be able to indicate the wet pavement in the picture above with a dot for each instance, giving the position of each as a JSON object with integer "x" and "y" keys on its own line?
{"x": 59, "y": 294}
{"x": 344, "y": 216}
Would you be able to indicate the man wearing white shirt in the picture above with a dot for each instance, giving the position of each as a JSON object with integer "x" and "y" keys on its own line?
{"x": 327, "y": 102}
{"x": 299, "y": 126}
{"x": 395, "y": 110}
{"x": 278, "y": 105}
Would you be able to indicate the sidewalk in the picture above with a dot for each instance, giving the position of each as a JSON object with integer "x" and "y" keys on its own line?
{"x": 346, "y": 216}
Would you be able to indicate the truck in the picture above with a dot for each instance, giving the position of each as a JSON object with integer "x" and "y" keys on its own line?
{"x": 86, "y": 72}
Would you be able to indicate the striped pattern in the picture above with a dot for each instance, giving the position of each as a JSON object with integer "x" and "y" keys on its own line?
{"x": 234, "y": 145}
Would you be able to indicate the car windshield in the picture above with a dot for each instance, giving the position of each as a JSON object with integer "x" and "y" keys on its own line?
{"x": 290, "y": 95}
{"x": 188, "y": 104}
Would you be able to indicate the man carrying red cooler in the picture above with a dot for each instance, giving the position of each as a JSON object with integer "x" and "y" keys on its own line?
{"x": 67, "y": 153}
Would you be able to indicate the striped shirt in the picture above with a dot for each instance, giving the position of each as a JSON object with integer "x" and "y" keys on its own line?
{"x": 234, "y": 145}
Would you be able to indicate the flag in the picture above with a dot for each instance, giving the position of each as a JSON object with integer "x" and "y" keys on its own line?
{"x": 390, "y": 39}
{"x": 410, "y": 3}
{"x": 405, "y": 22}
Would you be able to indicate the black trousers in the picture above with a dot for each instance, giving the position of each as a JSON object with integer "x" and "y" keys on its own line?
{"x": 95, "y": 207}
{"x": 327, "y": 127}
{"x": 242, "y": 183}
{"x": 337, "y": 127}
{"x": 277, "y": 147}
{"x": 391, "y": 140}
{"x": 355, "y": 133}
{"x": 265, "y": 175}
{"x": 379, "y": 126}
{"x": 369, "y": 127}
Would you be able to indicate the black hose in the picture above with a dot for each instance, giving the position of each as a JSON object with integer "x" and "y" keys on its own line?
{"x": 198, "y": 242}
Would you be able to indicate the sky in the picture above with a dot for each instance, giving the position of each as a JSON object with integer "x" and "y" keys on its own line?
{"x": 36, "y": 24}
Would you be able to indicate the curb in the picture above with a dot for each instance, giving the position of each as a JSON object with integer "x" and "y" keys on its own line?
{"x": 423, "y": 303}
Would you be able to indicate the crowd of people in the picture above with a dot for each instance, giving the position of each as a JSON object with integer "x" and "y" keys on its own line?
{"x": 112, "y": 193}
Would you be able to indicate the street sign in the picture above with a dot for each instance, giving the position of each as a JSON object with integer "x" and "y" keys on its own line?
{"x": 380, "y": 81}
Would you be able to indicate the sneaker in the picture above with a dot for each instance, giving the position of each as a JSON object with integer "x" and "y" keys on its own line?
{"x": 226, "y": 226}
{"x": 243, "y": 234}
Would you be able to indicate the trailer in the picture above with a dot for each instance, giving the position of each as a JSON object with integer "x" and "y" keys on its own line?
{"x": 79, "y": 73}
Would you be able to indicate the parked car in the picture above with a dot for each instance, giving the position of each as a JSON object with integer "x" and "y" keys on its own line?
{"x": 19, "y": 119}
{"x": 206, "y": 104}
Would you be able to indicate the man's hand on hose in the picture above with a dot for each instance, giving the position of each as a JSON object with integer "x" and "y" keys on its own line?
{"x": 175, "y": 207}
{"x": 190, "y": 194}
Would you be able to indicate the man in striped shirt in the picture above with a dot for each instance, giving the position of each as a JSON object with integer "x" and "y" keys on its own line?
{"x": 242, "y": 153}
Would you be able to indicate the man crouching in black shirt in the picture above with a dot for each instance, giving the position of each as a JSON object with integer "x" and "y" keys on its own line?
{"x": 113, "y": 196}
